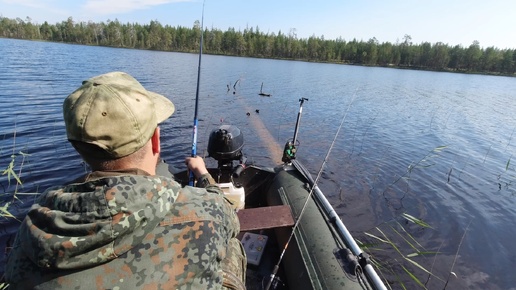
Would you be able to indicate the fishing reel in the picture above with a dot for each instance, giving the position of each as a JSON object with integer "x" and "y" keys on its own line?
{"x": 225, "y": 145}
{"x": 289, "y": 151}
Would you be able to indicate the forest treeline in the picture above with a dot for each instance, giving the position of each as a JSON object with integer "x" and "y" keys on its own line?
{"x": 252, "y": 42}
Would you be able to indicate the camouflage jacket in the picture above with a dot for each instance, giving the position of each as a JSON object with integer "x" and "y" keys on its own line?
{"x": 123, "y": 232}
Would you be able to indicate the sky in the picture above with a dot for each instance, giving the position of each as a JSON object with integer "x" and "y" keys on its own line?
{"x": 452, "y": 22}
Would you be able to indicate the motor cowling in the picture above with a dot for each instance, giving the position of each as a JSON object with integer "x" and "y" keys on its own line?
{"x": 226, "y": 143}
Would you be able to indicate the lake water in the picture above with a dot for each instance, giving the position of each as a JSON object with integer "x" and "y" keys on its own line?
{"x": 437, "y": 146}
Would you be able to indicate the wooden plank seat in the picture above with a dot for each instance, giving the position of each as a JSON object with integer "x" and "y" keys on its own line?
{"x": 265, "y": 217}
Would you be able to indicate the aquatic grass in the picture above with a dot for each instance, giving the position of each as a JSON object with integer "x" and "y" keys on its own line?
{"x": 12, "y": 176}
{"x": 392, "y": 239}
{"x": 456, "y": 256}
{"x": 393, "y": 236}
{"x": 505, "y": 179}
{"x": 425, "y": 162}
{"x": 433, "y": 263}
{"x": 10, "y": 171}
{"x": 396, "y": 237}
{"x": 4, "y": 212}
{"x": 415, "y": 220}
{"x": 396, "y": 253}
{"x": 413, "y": 277}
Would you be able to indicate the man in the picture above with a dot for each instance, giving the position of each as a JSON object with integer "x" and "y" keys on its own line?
{"x": 122, "y": 226}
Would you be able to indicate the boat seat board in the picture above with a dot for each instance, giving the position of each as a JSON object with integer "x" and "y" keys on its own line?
{"x": 265, "y": 218}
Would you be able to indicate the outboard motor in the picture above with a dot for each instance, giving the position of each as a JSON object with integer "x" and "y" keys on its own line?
{"x": 225, "y": 145}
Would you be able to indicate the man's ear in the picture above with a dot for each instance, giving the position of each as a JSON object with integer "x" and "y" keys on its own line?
{"x": 156, "y": 145}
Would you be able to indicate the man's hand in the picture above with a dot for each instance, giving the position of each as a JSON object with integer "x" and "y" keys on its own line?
{"x": 196, "y": 165}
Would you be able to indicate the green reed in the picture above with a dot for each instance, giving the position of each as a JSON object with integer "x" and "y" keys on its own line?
{"x": 396, "y": 237}
{"x": 13, "y": 171}
{"x": 12, "y": 176}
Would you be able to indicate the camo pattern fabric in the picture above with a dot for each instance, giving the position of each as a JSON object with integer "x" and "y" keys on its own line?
{"x": 234, "y": 266}
{"x": 124, "y": 232}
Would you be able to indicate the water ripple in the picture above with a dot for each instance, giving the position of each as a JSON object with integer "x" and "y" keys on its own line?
{"x": 438, "y": 146}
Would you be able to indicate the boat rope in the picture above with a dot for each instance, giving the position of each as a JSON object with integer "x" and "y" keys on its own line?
{"x": 196, "y": 120}
{"x": 296, "y": 224}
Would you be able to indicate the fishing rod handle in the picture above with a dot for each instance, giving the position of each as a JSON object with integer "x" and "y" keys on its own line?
{"x": 273, "y": 275}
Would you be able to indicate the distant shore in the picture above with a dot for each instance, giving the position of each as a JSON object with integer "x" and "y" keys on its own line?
{"x": 251, "y": 42}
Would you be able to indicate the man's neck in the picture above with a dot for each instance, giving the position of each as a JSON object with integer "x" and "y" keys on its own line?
{"x": 109, "y": 173}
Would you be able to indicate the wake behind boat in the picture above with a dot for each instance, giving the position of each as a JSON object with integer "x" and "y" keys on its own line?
{"x": 292, "y": 236}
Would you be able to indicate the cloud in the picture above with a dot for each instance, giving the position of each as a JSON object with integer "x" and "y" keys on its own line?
{"x": 38, "y": 11}
{"x": 107, "y": 7}
{"x": 26, "y": 3}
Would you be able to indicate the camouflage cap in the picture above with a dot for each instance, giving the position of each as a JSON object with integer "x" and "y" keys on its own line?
{"x": 115, "y": 112}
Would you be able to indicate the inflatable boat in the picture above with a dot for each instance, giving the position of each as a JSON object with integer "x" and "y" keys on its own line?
{"x": 292, "y": 236}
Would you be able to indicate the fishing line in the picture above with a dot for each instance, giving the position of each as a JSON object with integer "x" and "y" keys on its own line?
{"x": 196, "y": 121}
{"x": 276, "y": 267}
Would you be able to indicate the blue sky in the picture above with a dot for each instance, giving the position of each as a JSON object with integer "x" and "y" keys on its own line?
{"x": 492, "y": 23}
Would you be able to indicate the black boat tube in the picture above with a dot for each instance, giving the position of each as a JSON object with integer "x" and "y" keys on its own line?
{"x": 341, "y": 228}
{"x": 288, "y": 157}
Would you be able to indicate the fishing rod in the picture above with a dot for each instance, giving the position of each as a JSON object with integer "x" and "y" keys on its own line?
{"x": 196, "y": 120}
{"x": 333, "y": 216}
{"x": 289, "y": 152}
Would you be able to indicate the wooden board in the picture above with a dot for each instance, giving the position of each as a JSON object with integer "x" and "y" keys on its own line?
{"x": 265, "y": 217}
